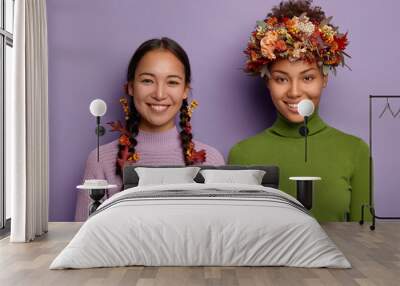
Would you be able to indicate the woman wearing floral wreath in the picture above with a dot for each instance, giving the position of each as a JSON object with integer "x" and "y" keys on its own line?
{"x": 293, "y": 50}
{"x": 158, "y": 85}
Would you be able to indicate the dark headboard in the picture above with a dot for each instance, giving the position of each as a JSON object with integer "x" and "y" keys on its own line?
{"x": 270, "y": 179}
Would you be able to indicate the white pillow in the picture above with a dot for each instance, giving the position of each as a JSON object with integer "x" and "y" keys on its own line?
{"x": 162, "y": 176}
{"x": 248, "y": 177}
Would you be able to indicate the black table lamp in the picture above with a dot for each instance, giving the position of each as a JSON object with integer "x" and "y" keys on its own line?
{"x": 305, "y": 109}
{"x": 305, "y": 184}
{"x": 98, "y": 108}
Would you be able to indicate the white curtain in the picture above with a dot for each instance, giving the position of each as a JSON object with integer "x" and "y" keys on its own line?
{"x": 27, "y": 124}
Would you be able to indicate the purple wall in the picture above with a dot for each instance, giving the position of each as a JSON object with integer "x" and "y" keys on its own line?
{"x": 91, "y": 41}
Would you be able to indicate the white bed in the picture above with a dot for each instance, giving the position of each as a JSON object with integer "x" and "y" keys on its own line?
{"x": 224, "y": 225}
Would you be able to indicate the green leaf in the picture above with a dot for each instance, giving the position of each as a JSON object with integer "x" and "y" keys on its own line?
{"x": 325, "y": 69}
{"x": 262, "y": 24}
{"x": 264, "y": 71}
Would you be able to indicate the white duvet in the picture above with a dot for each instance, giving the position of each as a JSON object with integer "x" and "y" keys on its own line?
{"x": 200, "y": 231}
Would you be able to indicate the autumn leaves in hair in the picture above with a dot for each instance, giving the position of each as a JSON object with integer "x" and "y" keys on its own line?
{"x": 295, "y": 30}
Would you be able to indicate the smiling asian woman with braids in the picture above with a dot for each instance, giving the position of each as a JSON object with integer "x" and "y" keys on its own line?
{"x": 158, "y": 85}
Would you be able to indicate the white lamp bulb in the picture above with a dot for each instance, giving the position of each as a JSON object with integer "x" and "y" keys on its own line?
{"x": 305, "y": 107}
{"x": 98, "y": 107}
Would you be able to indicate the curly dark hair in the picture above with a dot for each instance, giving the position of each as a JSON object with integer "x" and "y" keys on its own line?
{"x": 293, "y": 8}
{"x": 132, "y": 124}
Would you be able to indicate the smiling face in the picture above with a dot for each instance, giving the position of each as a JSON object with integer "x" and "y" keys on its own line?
{"x": 290, "y": 82}
{"x": 158, "y": 89}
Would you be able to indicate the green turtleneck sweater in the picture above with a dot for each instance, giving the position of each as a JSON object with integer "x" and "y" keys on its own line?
{"x": 341, "y": 160}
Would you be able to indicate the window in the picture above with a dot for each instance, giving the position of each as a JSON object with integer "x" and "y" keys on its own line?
{"x": 6, "y": 60}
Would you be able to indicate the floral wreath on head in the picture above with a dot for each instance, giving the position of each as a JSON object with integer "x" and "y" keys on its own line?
{"x": 296, "y": 38}
{"x": 192, "y": 155}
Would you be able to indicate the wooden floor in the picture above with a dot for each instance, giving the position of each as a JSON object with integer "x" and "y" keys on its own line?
{"x": 375, "y": 256}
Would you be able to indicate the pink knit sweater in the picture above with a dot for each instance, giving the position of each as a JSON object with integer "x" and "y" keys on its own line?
{"x": 161, "y": 148}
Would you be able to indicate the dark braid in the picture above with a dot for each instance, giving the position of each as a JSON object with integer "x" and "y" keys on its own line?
{"x": 190, "y": 155}
{"x": 132, "y": 125}
{"x": 186, "y": 135}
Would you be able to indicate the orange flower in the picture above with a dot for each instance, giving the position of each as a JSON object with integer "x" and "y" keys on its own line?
{"x": 327, "y": 33}
{"x": 190, "y": 149}
{"x": 334, "y": 46}
{"x": 272, "y": 21}
{"x": 116, "y": 126}
{"x": 332, "y": 60}
{"x": 125, "y": 107}
{"x": 123, "y": 100}
{"x": 341, "y": 42}
{"x": 280, "y": 45}
{"x": 134, "y": 157}
{"x": 253, "y": 55}
{"x": 291, "y": 25}
{"x": 315, "y": 37}
{"x": 124, "y": 140}
{"x": 193, "y": 105}
{"x": 268, "y": 44}
{"x": 198, "y": 156}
